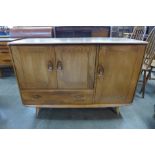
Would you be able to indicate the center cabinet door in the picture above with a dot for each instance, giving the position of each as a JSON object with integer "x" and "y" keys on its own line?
{"x": 75, "y": 66}
{"x": 35, "y": 66}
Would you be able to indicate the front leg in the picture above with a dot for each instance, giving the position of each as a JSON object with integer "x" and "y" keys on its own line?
{"x": 116, "y": 110}
{"x": 37, "y": 111}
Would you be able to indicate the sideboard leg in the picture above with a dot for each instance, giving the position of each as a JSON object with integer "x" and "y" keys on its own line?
{"x": 37, "y": 111}
{"x": 117, "y": 110}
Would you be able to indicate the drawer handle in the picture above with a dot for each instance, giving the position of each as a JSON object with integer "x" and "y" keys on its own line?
{"x": 50, "y": 66}
{"x": 36, "y": 96}
{"x": 100, "y": 70}
{"x": 59, "y": 65}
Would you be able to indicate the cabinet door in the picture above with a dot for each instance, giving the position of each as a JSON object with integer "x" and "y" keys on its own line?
{"x": 35, "y": 66}
{"x": 75, "y": 66}
{"x": 118, "y": 70}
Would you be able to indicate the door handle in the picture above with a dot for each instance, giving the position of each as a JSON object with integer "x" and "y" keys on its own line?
{"x": 59, "y": 65}
{"x": 100, "y": 70}
{"x": 50, "y": 66}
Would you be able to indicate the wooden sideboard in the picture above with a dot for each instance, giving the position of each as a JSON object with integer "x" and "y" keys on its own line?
{"x": 5, "y": 59}
{"x": 77, "y": 72}
{"x": 31, "y": 32}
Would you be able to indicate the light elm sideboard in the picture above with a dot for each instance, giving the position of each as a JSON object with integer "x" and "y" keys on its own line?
{"x": 77, "y": 72}
{"x": 5, "y": 59}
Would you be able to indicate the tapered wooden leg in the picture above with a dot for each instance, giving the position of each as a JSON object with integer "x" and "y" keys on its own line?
{"x": 37, "y": 111}
{"x": 116, "y": 110}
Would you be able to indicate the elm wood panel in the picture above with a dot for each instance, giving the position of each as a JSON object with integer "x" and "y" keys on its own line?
{"x": 78, "y": 65}
{"x": 136, "y": 73}
{"x": 31, "y": 63}
{"x": 57, "y": 97}
{"x": 119, "y": 63}
{"x": 111, "y": 94}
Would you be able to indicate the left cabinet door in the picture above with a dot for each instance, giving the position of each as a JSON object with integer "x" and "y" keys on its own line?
{"x": 35, "y": 66}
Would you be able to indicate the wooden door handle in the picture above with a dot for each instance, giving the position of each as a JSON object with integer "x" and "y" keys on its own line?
{"x": 50, "y": 66}
{"x": 59, "y": 65}
{"x": 100, "y": 70}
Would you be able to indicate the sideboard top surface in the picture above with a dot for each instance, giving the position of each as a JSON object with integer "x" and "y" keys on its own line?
{"x": 91, "y": 40}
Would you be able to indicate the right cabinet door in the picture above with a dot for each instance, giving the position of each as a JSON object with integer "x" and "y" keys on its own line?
{"x": 118, "y": 69}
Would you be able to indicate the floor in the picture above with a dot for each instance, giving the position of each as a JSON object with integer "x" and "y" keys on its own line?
{"x": 14, "y": 115}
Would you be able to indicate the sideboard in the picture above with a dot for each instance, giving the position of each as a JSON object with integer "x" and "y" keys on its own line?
{"x": 5, "y": 59}
{"x": 77, "y": 72}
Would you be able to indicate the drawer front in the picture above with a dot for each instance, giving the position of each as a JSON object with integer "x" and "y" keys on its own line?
{"x": 5, "y": 56}
{"x": 57, "y": 97}
{"x": 3, "y": 44}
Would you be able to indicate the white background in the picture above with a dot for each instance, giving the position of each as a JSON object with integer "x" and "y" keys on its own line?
{"x": 75, "y": 13}
{"x": 77, "y": 142}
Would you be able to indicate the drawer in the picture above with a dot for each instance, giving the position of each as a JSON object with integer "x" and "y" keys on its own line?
{"x": 5, "y": 57}
{"x": 3, "y": 45}
{"x": 57, "y": 97}
{"x": 4, "y": 50}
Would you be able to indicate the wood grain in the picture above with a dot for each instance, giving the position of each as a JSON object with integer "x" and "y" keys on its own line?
{"x": 31, "y": 63}
{"x": 82, "y": 75}
{"x": 119, "y": 63}
{"x": 57, "y": 97}
{"x": 78, "y": 66}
